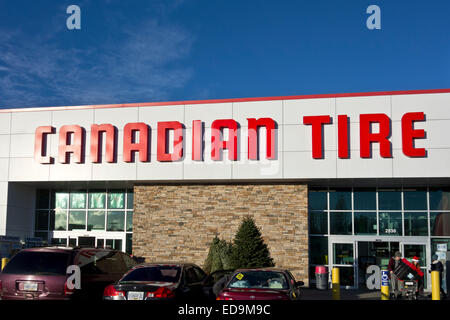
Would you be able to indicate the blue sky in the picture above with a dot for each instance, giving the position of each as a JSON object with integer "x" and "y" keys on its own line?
{"x": 145, "y": 51}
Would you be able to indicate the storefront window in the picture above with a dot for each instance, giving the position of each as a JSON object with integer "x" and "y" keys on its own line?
{"x": 390, "y": 223}
{"x": 365, "y": 199}
{"x": 58, "y": 219}
{"x": 416, "y": 223}
{"x": 341, "y": 199}
{"x": 130, "y": 199}
{"x": 415, "y": 200}
{"x": 77, "y": 219}
{"x": 42, "y": 199}
{"x": 115, "y": 221}
{"x": 41, "y": 220}
{"x": 59, "y": 242}
{"x": 318, "y": 250}
{"x": 97, "y": 200}
{"x": 317, "y": 200}
{"x": 440, "y": 224}
{"x": 96, "y": 220}
{"x": 42, "y": 235}
{"x": 77, "y": 200}
{"x": 116, "y": 200}
{"x": 440, "y": 247}
{"x": 341, "y": 223}
{"x": 129, "y": 243}
{"x": 365, "y": 223}
{"x": 129, "y": 220}
{"x": 439, "y": 199}
{"x": 318, "y": 222}
{"x": 61, "y": 200}
{"x": 389, "y": 200}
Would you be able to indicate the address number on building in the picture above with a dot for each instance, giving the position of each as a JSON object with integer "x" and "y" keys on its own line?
{"x": 390, "y": 231}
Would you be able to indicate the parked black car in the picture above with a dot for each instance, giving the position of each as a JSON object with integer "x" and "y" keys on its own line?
{"x": 155, "y": 281}
{"x": 40, "y": 273}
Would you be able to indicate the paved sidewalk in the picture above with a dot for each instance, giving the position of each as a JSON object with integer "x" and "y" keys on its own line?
{"x": 314, "y": 294}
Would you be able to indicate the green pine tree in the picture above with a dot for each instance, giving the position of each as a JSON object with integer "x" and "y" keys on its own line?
{"x": 249, "y": 249}
{"x": 219, "y": 256}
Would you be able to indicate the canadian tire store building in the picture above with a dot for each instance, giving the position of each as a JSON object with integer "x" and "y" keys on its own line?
{"x": 341, "y": 179}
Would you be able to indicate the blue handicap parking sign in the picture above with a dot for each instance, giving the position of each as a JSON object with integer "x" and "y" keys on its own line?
{"x": 384, "y": 278}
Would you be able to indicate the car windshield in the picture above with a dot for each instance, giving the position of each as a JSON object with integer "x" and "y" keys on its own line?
{"x": 259, "y": 279}
{"x": 154, "y": 273}
{"x": 38, "y": 263}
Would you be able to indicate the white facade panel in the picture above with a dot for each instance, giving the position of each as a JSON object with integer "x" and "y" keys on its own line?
{"x": 3, "y": 215}
{"x": 5, "y": 123}
{"x": 22, "y": 146}
{"x": 27, "y": 122}
{"x": 118, "y": 117}
{"x": 257, "y": 109}
{"x": 295, "y": 110}
{"x": 436, "y": 164}
{"x": 156, "y": 170}
{"x": 302, "y": 165}
{"x": 114, "y": 171}
{"x": 83, "y": 118}
{"x": 353, "y": 107}
{"x": 434, "y": 105}
{"x": 3, "y": 193}
{"x": 70, "y": 171}
{"x": 4, "y": 169}
{"x": 208, "y": 170}
{"x": 207, "y": 113}
{"x": 152, "y": 115}
{"x": 27, "y": 169}
{"x": 262, "y": 169}
{"x": 4, "y": 143}
{"x": 299, "y": 137}
{"x": 355, "y": 166}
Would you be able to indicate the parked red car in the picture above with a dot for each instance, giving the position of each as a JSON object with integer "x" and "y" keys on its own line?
{"x": 261, "y": 284}
{"x": 40, "y": 273}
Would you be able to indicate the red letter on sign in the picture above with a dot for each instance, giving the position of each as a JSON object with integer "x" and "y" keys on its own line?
{"x": 76, "y": 147}
{"x": 40, "y": 144}
{"x": 317, "y": 123}
{"x": 343, "y": 137}
{"x": 409, "y": 134}
{"x": 253, "y": 140}
{"x": 367, "y": 137}
{"x": 216, "y": 142}
{"x": 129, "y": 145}
{"x": 162, "y": 150}
{"x": 197, "y": 140}
{"x": 110, "y": 133}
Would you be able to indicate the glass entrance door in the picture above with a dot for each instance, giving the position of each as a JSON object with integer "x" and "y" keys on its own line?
{"x": 417, "y": 249}
{"x": 86, "y": 241}
{"x": 374, "y": 253}
{"x": 343, "y": 257}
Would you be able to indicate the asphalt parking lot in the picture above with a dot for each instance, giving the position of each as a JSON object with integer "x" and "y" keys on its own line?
{"x": 314, "y": 294}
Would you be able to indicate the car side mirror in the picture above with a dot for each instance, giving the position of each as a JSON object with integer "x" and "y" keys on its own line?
{"x": 299, "y": 283}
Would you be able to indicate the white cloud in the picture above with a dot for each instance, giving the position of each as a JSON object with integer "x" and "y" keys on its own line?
{"x": 142, "y": 63}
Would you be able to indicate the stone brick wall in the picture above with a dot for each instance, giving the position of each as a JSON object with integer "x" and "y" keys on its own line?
{"x": 178, "y": 222}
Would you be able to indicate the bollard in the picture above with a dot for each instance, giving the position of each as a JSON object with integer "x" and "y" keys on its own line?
{"x": 384, "y": 285}
{"x": 4, "y": 262}
{"x": 336, "y": 284}
{"x": 435, "y": 286}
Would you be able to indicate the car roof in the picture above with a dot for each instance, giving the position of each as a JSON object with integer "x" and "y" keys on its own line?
{"x": 63, "y": 249}
{"x": 262, "y": 269}
{"x": 177, "y": 264}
